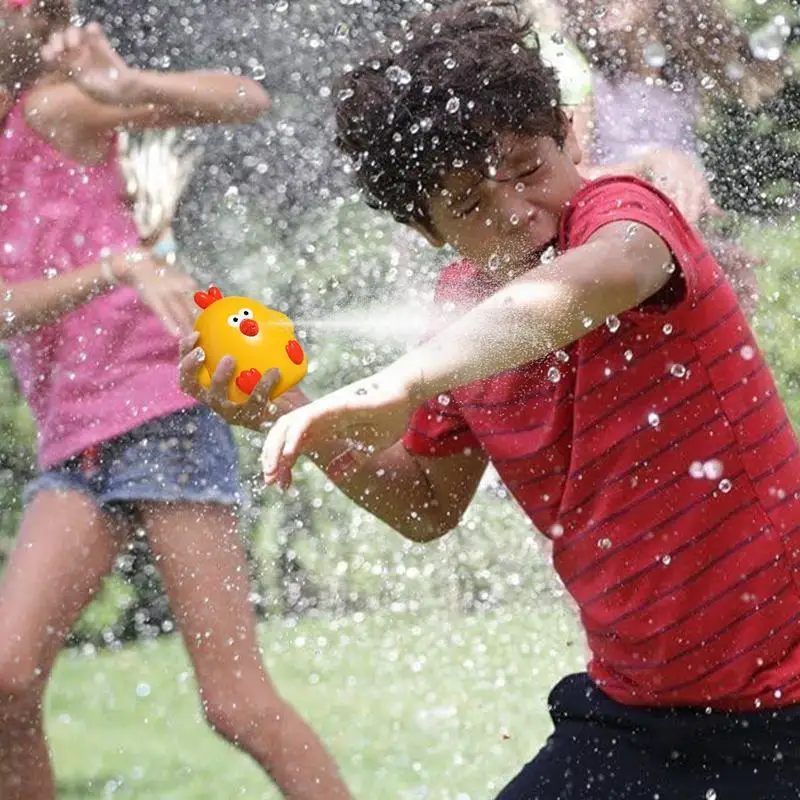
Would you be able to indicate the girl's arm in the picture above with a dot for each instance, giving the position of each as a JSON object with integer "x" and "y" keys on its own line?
{"x": 112, "y": 94}
{"x": 29, "y": 305}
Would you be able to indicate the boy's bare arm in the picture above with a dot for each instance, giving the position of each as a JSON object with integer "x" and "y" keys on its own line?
{"x": 553, "y": 305}
{"x": 547, "y": 308}
{"x": 421, "y": 498}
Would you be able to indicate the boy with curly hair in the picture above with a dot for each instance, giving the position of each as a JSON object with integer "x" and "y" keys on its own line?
{"x": 592, "y": 350}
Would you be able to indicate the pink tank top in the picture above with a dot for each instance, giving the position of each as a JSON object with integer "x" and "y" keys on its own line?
{"x": 109, "y": 366}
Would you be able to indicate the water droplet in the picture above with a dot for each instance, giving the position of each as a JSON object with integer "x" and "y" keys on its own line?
{"x": 713, "y": 469}
{"x": 398, "y": 75}
{"x": 667, "y": 329}
{"x": 707, "y": 82}
{"x": 143, "y": 690}
{"x": 628, "y": 355}
{"x": 655, "y": 55}
{"x": 494, "y": 263}
{"x": 613, "y": 323}
{"x": 653, "y": 419}
{"x": 453, "y": 104}
{"x": 258, "y": 72}
{"x": 450, "y": 62}
{"x": 443, "y": 400}
{"x": 604, "y": 544}
{"x": 562, "y": 356}
{"x": 425, "y": 124}
{"x": 768, "y": 42}
{"x": 711, "y": 795}
{"x": 396, "y": 46}
{"x": 630, "y": 231}
{"x": 677, "y": 371}
{"x": 725, "y": 486}
{"x": 588, "y": 322}
{"x": 696, "y": 469}
{"x": 346, "y": 94}
{"x": 556, "y": 531}
{"x": 666, "y": 560}
{"x": 747, "y": 353}
{"x": 342, "y": 31}
{"x": 548, "y": 256}
{"x": 734, "y": 71}
{"x": 281, "y": 6}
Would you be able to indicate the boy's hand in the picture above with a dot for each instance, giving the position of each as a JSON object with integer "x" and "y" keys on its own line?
{"x": 372, "y": 414}
{"x": 86, "y": 56}
{"x": 257, "y": 413}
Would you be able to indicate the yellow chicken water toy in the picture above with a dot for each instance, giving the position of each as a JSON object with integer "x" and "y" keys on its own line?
{"x": 258, "y": 338}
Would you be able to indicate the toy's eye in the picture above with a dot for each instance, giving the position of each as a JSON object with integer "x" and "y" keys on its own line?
{"x": 234, "y": 320}
{"x": 245, "y": 312}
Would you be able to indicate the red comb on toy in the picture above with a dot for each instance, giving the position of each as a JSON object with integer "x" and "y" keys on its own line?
{"x": 18, "y": 3}
{"x": 205, "y": 299}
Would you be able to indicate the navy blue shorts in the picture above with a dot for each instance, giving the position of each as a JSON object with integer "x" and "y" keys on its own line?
{"x": 187, "y": 457}
{"x": 603, "y": 750}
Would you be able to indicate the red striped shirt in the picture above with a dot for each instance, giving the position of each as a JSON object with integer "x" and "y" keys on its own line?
{"x": 659, "y": 458}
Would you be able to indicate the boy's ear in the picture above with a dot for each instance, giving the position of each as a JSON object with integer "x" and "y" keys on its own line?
{"x": 430, "y": 235}
{"x": 571, "y": 145}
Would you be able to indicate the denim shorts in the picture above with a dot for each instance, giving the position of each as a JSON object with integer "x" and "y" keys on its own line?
{"x": 185, "y": 457}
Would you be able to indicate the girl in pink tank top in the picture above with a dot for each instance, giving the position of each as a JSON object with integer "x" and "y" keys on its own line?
{"x": 91, "y": 321}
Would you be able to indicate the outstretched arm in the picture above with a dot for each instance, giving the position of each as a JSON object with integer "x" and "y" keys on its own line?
{"x": 421, "y": 498}
{"x": 112, "y": 94}
{"x": 547, "y": 308}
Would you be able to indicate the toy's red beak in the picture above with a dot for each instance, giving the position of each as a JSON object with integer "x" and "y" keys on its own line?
{"x": 249, "y": 327}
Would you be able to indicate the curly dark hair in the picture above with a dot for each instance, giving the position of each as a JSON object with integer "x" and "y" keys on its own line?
{"x": 436, "y": 96}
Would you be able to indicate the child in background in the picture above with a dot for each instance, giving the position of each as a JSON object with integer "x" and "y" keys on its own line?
{"x": 590, "y": 348}
{"x": 92, "y": 322}
{"x": 653, "y": 65}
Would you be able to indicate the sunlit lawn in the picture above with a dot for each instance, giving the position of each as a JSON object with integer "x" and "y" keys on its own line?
{"x": 439, "y": 706}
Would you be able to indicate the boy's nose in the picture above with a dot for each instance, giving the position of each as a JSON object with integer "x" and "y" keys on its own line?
{"x": 514, "y": 210}
{"x": 249, "y": 327}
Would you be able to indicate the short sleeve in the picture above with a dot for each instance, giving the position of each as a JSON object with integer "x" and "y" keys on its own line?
{"x": 437, "y": 429}
{"x": 629, "y": 199}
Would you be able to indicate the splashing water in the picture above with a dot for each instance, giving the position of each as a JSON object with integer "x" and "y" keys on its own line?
{"x": 391, "y": 323}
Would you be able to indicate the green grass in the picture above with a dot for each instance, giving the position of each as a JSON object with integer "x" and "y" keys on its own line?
{"x": 434, "y": 706}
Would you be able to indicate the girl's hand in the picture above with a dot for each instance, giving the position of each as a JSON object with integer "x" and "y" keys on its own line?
{"x": 372, "y": 414}
{"x": 166, "y": 291}
{"x": 681, "y": 178}
{"x": 257, "y": 413}
{"x": 86, "y": 57}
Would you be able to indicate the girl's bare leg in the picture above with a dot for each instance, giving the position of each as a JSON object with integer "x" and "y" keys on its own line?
{"x": 202, "y": 562}
{"x": 63, "y": 550}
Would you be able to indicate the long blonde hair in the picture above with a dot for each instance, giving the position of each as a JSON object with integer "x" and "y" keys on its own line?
{"x": 702, "y": 45}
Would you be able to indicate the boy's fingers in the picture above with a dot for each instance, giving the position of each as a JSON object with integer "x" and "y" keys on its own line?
{"x": 273, "y": 446}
